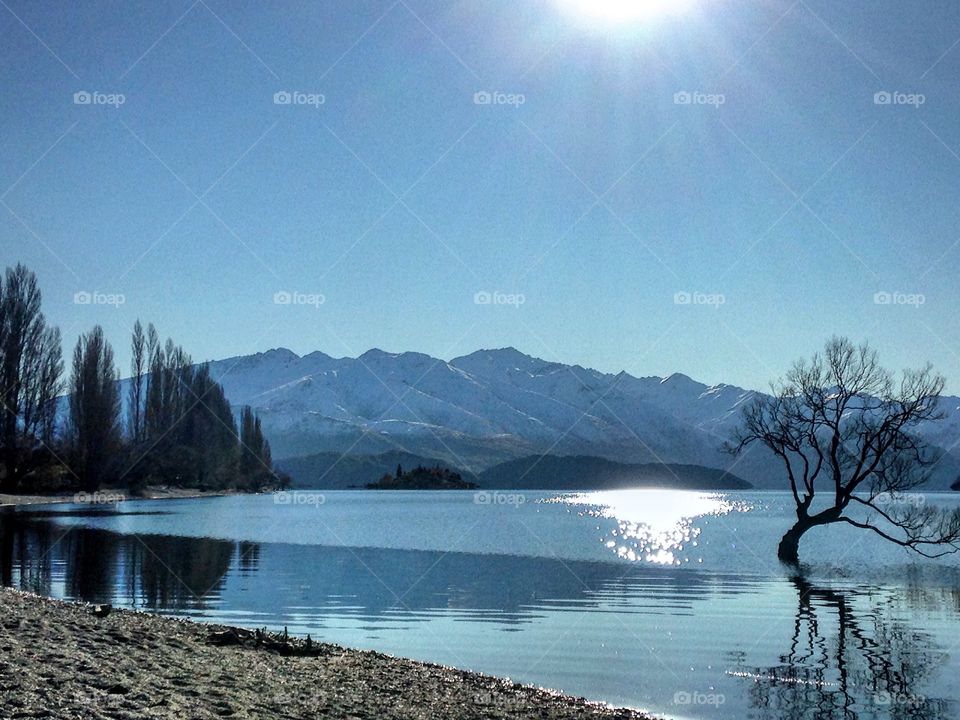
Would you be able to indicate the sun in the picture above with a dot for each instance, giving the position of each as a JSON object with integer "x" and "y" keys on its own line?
{"x": 624, "y": 11}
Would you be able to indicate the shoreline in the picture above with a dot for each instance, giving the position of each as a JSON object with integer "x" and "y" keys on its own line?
{"x": 157, "y": 492}
{"x": 60, "y": 660}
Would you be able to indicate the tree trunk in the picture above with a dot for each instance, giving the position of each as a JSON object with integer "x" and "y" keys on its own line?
{"x": 789, "y": 546}
{"x": 10, "y": 479}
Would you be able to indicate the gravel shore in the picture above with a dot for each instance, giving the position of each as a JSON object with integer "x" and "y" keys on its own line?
{"x": 59, "y": 660}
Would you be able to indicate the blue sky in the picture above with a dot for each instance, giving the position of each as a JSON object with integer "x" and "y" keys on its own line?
{"x": 587, "y": 198}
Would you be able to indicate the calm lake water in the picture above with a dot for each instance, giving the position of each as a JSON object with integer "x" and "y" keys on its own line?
{"x": 668, "y": 601}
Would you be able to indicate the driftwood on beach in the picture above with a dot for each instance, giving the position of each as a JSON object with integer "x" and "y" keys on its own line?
{"x": 279, "y": 643}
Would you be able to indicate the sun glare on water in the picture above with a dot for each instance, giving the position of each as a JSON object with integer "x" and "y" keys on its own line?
{"x": 654, "y": 526}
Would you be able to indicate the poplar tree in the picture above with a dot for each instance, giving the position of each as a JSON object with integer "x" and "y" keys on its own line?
{"x": 94, "y": 431}
{"x": 30, "y": 378}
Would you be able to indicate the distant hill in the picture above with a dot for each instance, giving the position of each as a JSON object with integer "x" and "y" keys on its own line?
{"x": 423, "y": 478}
{"x": 584, "y": 472}
{"x": 335, "y": 471}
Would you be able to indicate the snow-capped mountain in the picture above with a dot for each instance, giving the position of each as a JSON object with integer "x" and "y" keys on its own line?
{"x": 495, "y": 405}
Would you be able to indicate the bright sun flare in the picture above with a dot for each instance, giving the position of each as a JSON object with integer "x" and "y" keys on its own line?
{"x": 622, "y": 11}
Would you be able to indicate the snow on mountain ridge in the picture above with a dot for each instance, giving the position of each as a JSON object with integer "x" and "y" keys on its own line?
{"x": 499, "y": 393}
{"x": 500, "y": 399}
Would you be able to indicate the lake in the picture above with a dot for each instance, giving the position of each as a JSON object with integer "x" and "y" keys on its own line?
{"x": 668, "y": 601}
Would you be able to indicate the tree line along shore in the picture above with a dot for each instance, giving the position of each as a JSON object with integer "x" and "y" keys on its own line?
{"x": 174, "y": 427}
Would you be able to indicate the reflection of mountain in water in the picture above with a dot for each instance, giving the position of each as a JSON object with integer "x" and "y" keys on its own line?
{"x": 508, "y": 589}
{"x": 846, "y": 662}
{"x": 182, "y": 573}
{"x": 372, "y": 583}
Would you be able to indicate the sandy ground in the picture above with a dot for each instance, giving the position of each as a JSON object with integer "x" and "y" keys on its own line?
{"x": 58, "y": 660}
{"x": 151, "y": 493}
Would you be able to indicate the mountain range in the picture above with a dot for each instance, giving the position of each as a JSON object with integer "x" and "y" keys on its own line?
{"x": 493, "y": 406}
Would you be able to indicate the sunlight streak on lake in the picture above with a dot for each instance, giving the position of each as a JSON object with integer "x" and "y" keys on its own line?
{"x": 652, "y": 525}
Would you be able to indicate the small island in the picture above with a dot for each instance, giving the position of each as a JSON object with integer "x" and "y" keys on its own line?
{"x": 421, "y": 478}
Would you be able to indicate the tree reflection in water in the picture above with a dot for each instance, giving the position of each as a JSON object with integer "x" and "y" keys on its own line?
{"x": 154, "y": 572}
{"x": 846, "y": 662}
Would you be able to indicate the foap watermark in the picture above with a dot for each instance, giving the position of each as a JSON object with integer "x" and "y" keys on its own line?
{"x": 496, "y": 97}
{"x": 895, "y": 498}
{"x": 695, "y": 97}
{"x": 499, "y": 498}
{"x": 683, "y": 697}
{"x": 496, "y": 297}
{"x": 298, "y": 497}
{"x": 914, "y": 300}
{"x": 83, "y": 97}
{"x": 900, "y": 699}
{"x": 296, "y": 97}
{"x": 99, "y": 497}
{"x": 885, "y": 97}
{"x": 285, "y": 297}
{"x": 714, "y": 300}
{"x": 84, "y": 297}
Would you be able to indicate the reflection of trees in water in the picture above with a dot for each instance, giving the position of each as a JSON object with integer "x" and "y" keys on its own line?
{"x": 151, "y": 571}
{"x": 6, "y": 552}
{"x": 248, "y": 556}
{"x": 90, "y": 558}
{"x": 19, "y": 540}
{"x": 846, "y": 663}
{"x": 176, "y": 572}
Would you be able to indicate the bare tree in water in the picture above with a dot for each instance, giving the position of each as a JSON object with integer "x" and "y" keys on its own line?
{"x": 845, "y": 429}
